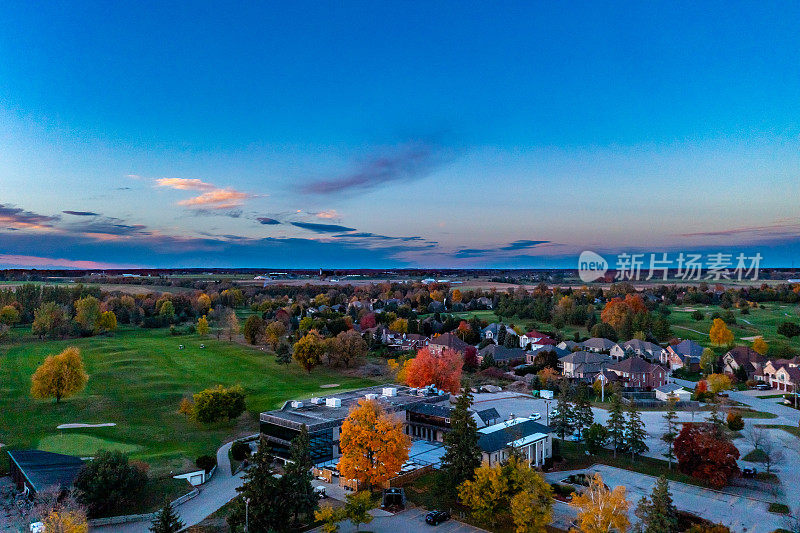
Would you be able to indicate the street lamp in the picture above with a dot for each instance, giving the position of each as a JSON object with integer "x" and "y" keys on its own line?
{"x": 247, "y": 515}
{"x": 547, "y": 406}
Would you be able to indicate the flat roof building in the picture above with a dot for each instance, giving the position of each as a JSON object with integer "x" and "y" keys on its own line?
{"x": 35, "y": 470}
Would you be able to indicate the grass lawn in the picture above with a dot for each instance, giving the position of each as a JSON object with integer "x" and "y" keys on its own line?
{"x": 762, "y": 322}
{"x": 789, "y": 429}
{"x": 755, "y": 456}
{"x": 136, "y": 380}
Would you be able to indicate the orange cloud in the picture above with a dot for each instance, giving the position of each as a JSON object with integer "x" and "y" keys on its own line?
{"x": 328, "y": 214}
{"x": 216, "y": 199}
{"x": 184, "y": 184}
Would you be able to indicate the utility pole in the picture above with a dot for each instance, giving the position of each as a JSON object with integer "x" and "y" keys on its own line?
{"x": 247, "y": 515}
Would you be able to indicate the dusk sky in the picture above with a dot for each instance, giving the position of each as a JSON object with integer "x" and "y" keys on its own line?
{"x": 374, "y": 135}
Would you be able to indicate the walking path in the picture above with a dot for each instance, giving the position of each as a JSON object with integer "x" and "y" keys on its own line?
{"x": 213, "y": 494}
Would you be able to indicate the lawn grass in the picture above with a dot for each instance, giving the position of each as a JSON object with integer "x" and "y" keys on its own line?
{"x": 136, "y": 380}
{"x": 82, "y": 445}
{"x": 789, "y": 429}
{"x": 755, "y": 456}
{"x": 780, "y": 508}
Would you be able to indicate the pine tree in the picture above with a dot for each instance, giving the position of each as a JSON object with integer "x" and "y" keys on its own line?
{"x": 562, "y": 422}
{"x": 268, "y": 508}
{"x": 462, "y": 455}
{"x": 658, "y": 515}
{"x": 635, "y": 432}
{"x": 283, "y": 355}
{"x": 301, "y": 496}
{"x": 672, "y": 431}
{"x": 501, "y": 335}
{"x": 166, "y": 521}
{"x": 616, "y": 422}
{"x": 582, "y": 414}
{"x": 716, "y": 420}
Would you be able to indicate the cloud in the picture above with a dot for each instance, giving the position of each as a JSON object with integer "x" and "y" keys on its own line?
{"x": 523, "y": 244}
{"x": 780, "y": 228}
{"x": 81, "y": 213}
{"x": 18, "y": 218}
{"x": 184, "y": 184}
{"x": 367, "y": 235}
{"x": 322, "y": 228}
{"x": 471, "y": 252}
{"x": 32, "y": 261}
{"x": 268, "y": 221}
{"x": 329, "y": 214}
{"x": 216, "y": 199}
{"x": 406, "y": 163}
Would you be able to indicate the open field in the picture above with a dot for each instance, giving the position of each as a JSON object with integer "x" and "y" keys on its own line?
{"x": 137, "y": 378}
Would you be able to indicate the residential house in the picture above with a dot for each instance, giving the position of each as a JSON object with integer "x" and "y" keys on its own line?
{"x": 781, "y": 374}
{"x": 672, "y": 391}
{"x": 644, "y": 349}
{"x": 531, "y": 355}
{"x": 491, "y": 331}
{"x": 446, "y": 340}
{"x": 532, "y": 439}
{"x": 584, "y": 366}
{"x": 501, "y": 354}
{"x": 568, "y": 345}
{"x": 636, "y": 373}
{"x": 406, "y": 341}
{"x": 771, "y": 367}
{"x": 743, "y": 357}
{"x": 535, "y": 339}
{"x": 684, "y": 354}
{"x": 597, "y": 345}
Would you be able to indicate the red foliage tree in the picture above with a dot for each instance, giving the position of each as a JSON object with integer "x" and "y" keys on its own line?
{"x": 443, "y": 370}
{"x": 703, "y": 454}
{"x": 368, "y": 321}
{"x": 471, "y": 357}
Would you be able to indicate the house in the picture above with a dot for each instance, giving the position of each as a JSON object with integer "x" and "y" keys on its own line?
{"x": 531, "y": 355}
{"x": 781, "y": 374}
{"x": 597, "y": 345}
{"x": 743, "y": 357}
{"x": 568, "y": 345}
{"x": 535, "y": 339}
{"x": 644, "y": 349}
{"x": 771, "y": 367}
{"x": 34, "y": 470}
{"x": 488, "y": 416}
{"x": 533, "y": 440}
{"x": 684, "y": 354}
{"x": 583, "y": 365}
{"x": 491, "y": 331}
{"x": 428, "y": 421}
{"x": 636, "y": 373}
{"x": 405, "y": 341}
{"x": 447, "y": 340}
{"x": 672, "y": 391}
{"x": 501, "y": 354}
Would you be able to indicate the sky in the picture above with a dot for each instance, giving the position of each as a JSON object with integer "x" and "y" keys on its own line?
{"x": 404, "y": 134}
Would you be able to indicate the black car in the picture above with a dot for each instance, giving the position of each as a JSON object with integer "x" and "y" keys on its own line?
{"x": 435, "y": 518}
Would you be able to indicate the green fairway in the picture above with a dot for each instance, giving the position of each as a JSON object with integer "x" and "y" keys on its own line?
{"x": 82, "y": 445}
{"x": 136, "y": 380}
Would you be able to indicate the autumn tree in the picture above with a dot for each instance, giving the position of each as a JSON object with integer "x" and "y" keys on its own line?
{"x": 442, "y": 370}
{"x": 50, "y": 320}
{"x": 202, "y": 325}
{"x": 601, "y": 510}
{"x": 350, "y": 348}
{"x": 760, "y": 345}
{"x": 60, "y": 376}
{"x": 703, "y": 454}
{"x": 9, "y": 315}
{"x": 658, "y": 514}
{"x": 718, "y": 383}
{"x": 87, "y": 313}
{"x": 329, "y": 517}
{"x": 308, "y": 350}
{"x": 65, "y": 521}
{"x": 707, "y": 360}
{"x": 719, "y": 334}
{"x": 274, "y": 333}
{"x": 253, "y": 329}
{"x": 374, "y": 446}
{"x": 231, "y": 324}
{"x": 107, "y": 322}
{"x": 399, "y": 325}
{"x": 186, "y": 407}
{"x": 357, "y": 506}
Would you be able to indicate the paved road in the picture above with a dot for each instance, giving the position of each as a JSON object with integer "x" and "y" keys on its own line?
{"x": 214, "y": 494}
{"x": 411, "y": 521}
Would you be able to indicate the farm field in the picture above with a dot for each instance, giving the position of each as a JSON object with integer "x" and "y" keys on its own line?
{"x": 136, "y": 380}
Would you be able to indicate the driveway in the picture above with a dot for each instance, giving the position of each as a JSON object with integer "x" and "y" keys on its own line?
{"x": 739, "y": 513}
{"x": 214, "y": 494}
{"x": 410, "y": 520}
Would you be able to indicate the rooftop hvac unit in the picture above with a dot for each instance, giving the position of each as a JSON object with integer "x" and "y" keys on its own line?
{"x": 333, "y": 402}
{"x": 317, "y": 401}
{"x": 297, "y": 405}
{"x": 389, "y": 391}
{"x": 371, "y": 396}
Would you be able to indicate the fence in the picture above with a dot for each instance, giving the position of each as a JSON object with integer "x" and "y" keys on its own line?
{"x": 648, "y": 403}
{"x": 124, "y": 519}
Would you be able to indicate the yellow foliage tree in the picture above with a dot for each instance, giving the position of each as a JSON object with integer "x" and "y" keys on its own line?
{"x": 107, "y": 322}
{"x": 202, "y": 325}
{"x": 186, "y": 407}
{"x": 373, "y": 444}
{"x": 456, "y": 296}
{"x": 760, "y": 345}
{"x": 60, "y": 376}
{"x": 485, "y": 493}
{"x": 718, "y": 382}
{"x": 329, "y": 517}
{"x": 719, "y": 334}
{"x": 400, "y": 325}
{"x": 66, "y": 522}
{"x": 308, "y": 350}
{"x": 601, "y": 510}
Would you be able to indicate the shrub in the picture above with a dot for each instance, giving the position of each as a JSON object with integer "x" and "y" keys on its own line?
{"x": 107, "y": 481}
{"x": 240, "y": 450}
{"x": 206, "y": 462}
{"x": 220, "y": 403}
{"x": 735, "y": 422}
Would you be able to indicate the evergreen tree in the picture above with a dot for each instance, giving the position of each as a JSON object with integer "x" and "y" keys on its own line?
{"x": 635, "y": 432}
{"x": 283, "y": 354}
{"x": 658, "y": 515}
{"x": 616, "y": 422}
{"x": 501, "y": 335}
{"x": 511, "y": 341}
{"x": 301, "y": 496}
{"x": 716, "y": 420}
{"x": 671, "y": 432}
{"x": 166, "y": 521}
{"x": 582, "y": 414}
{"x": 562, "y": 422}
{"x": 269, "y": 509}
{"x": 462, "y": 455}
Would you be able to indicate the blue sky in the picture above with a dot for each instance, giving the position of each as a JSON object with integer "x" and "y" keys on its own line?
{"x": 363, "y": 134}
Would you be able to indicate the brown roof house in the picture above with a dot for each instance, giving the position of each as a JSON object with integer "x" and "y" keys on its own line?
{"x": 446, "y": 340}
{"x": 743, "y": 357}
{"x": 636, "y": 373}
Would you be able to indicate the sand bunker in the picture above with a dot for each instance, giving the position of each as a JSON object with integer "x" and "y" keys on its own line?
{"x": 329, "y": 386}
{"x": 78, "y": 425}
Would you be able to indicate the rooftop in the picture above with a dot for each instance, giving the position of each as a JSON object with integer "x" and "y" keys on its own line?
{"x": 515, "y": 432}
{"x": 46, "y": 469}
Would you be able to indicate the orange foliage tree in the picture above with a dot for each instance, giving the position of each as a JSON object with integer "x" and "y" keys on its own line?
{"x": 720, "y": 334}
{"x": 373, "y": 444}
{"x": 427, "y": 368}
{"x": 617, "y": 309}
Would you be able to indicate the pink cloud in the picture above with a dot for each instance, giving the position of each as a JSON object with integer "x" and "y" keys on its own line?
{"x": 35, "y": 261}
{"x": 328, "y": 214}
{"x": 184, "y": 184}
{"x": 216, "y": 199}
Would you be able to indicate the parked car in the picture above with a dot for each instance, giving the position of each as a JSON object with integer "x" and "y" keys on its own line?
{"x": 749, "y": 472}
{"x": 536, "y": 416}
{"x": 320, "y": 492}
{"x": 763, "y": 386}
{"x": 435, "y": 518}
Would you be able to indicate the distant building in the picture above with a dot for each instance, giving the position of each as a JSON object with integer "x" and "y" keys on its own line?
{"x": 33, "y": 470}
{"x": 598, "y": 344}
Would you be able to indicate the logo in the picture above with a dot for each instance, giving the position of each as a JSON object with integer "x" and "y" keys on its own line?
{"x": 591, "y": 266}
